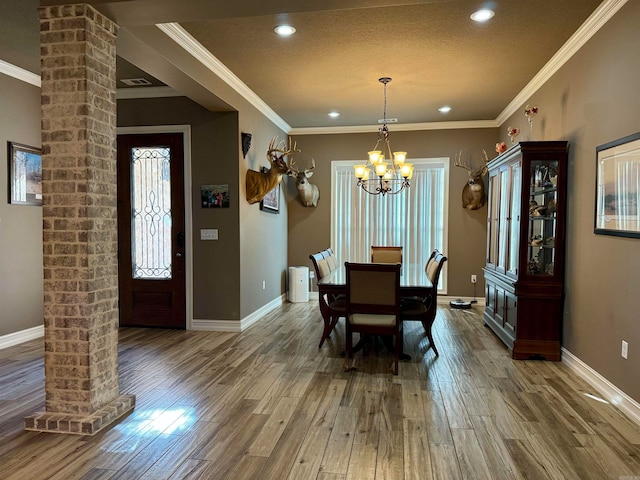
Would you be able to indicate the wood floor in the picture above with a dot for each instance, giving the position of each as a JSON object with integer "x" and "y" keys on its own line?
{"x": 268, "y": 404}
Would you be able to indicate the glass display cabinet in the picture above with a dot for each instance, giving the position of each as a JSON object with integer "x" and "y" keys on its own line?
{"x": 524, "y": 273}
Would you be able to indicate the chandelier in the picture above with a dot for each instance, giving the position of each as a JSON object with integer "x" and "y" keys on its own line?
{"x": 378, "y": 176}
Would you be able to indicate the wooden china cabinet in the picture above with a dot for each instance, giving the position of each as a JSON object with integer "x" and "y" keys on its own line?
{"x": 524, "y": 274}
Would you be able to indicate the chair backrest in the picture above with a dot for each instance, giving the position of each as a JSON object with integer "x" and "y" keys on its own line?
{"x": 373, "y": 288}
{"x": 320, "y": 265}
{"x": 324, "y": 262}
{"x": 388, "y": 254}
{"x": 434, "y": 266}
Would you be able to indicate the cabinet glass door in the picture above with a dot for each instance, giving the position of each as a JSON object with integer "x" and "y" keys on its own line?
{"x": 494, "y": 203}
{"x": 503, "y": 216}
{"x": 514, "y": 217}
{"x": 542, "y": 217}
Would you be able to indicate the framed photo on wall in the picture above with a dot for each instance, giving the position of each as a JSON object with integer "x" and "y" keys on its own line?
{"x": 271, "y": 201}
{"x": 214, "y": 196}
{"x": 618, "y": 187}
{"x": 25, "y": 174}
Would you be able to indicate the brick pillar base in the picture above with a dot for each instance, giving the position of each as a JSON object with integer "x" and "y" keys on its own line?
{"x": 78, "y": 424}
{"x": 79, "y": 222}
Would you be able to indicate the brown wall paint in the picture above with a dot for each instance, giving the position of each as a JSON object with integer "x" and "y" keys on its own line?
{"x": 593, "y": 100}
{"x": 214, "y": 146}
{"x": 21, "y": 276}
{"x": 310, "y": 228}
{"x": 590, "y": 101}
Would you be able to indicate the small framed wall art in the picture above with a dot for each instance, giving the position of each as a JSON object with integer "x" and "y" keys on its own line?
{"x": 214, "y": 196}
{"x": 271, "y": 201}
{"x": 25, "y": 174}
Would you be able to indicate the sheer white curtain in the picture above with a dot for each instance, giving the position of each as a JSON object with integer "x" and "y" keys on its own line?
{"x": 415, "y": 218}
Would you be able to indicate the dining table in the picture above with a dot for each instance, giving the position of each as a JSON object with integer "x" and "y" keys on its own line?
{"x": 413, "y": 283}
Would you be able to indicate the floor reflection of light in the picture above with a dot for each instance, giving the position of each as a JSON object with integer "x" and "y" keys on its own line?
{"x": 149, "y": 423}
{"x": 597, "y": 399}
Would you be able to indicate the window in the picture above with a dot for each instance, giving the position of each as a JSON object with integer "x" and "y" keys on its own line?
{"x": 415, "y": 218}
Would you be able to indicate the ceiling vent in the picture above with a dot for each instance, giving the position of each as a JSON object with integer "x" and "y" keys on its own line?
{"x": 136, "y": 82}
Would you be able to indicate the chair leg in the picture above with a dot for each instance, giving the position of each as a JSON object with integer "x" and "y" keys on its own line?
{"x": 396, "y": 352}
{"x": 328, "y": 328}
{"x": 432, "y": 343}
{"x": 348, "y": 346}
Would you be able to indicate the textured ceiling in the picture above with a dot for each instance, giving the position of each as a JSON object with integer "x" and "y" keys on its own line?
{"x": 435, "y": 54}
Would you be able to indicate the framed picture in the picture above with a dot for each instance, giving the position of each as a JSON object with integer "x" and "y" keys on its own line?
{"x": 25, "y": 174}
{"x": 618, "y": 187}
{"x": 214, "y": 196}
{"x": 271, "y": 201}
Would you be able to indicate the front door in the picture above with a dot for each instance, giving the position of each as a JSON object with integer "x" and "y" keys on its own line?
{"x": 151, "y": 253}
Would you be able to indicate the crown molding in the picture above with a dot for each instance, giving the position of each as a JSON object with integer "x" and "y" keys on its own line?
{"x": 20, "y": 73}
{"x": 204, "y": 56}
{"x": 146, "y": 92}
{"x": 396, "y": 127}
{"x": 588, "y": 29}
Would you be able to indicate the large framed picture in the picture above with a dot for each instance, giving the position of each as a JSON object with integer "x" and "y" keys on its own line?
{"x": 618, "y": 187}
{"x": 25, "y": 174}
{"x": 271, "y": 201}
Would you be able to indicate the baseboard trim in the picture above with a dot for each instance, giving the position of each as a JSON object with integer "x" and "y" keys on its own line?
{"x": 16, "y": 338}
{"x": 234, "y": 325}
{"x": 608, "y": 390}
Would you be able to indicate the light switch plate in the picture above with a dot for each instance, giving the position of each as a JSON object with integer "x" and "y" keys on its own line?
{"x": 209, "y": 234}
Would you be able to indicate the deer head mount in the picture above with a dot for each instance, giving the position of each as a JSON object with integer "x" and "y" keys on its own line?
{"x": 473, "y": 194}
{"x": 307, "y": 192}
{"x": 258, "y": 184}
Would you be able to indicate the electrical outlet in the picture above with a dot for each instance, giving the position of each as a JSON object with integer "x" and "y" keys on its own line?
{"x": 625, "y": 349}
{"x": 264, "y": 284}
{"x": 312, "y": 274}
{"x": 474, "y": 279}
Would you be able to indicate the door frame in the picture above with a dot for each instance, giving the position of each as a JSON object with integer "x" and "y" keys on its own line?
{"x": 185, "y": 130}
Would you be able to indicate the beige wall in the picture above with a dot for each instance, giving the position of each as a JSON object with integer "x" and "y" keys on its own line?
{"x": 310, "y": 228}
{"x": 227, "y": 273}
{"x": 593, "y": 100}
{"x": 21, "y": 292}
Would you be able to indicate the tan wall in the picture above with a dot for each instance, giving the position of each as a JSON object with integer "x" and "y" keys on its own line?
{"x": 21, "y": 292}
{"x": 310, "y": 228}
{"x": 227, "y": 273}
{"x": 593, "y": 100}
{"x": 216, "y": 276}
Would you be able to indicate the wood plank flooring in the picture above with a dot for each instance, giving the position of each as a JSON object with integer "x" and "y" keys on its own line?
{"x": 268, "y": 404}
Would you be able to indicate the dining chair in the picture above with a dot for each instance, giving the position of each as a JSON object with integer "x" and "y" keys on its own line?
{"x": 332, "y": 307}
{"x": 373, "y": 305}
{"x": 424, "y": 308}
{"x": 386, "y": 254}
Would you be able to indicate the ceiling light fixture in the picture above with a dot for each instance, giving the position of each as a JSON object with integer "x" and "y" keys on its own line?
{"x": 445, "y": 109}
{"x": 334, "y": 114}
{"x": 376, "y": 176}
{"x": 482, "y": 15}
{"x": 284, "y": 30}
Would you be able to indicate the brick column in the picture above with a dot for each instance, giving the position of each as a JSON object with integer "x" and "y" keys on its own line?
{"x": 78, "y": 57}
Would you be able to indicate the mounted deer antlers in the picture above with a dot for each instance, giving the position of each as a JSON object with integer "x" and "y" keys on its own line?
{"x": 258, "y": 184}
{"x": 473, "y": 194}
{"x": 308, "y": 193}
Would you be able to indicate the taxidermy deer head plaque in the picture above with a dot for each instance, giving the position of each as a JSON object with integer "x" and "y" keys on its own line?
{"x": 473, "y": 194}
{"x": 307, "y": 192}
{"x": 258, "y": 184}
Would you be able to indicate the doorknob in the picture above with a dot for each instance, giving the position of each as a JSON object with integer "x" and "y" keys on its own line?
{"x": 178, "y": 254}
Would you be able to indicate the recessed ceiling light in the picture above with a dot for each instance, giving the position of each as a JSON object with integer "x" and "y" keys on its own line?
{"x": 445, "y": 109}
{"x": 284, "y": 30}
{"x": 482, "y": 15}
{"x": 334, "y": 114}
